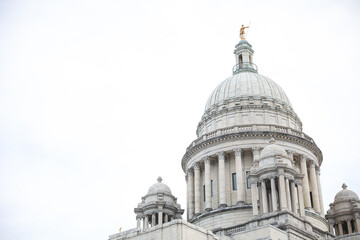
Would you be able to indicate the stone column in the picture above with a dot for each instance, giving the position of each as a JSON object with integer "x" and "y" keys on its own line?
{"x": 288, "y": 196}
{"x": 256, "y": 154}
{"x": 222, "y": 196}
{"x": 294, "y": 199}
{"x": 254, "y": 198}
{"x": 320, "y": 191}
{"x": 138, "y": 222}
{"x": 146, "y": 222}
{"x": 190, "y": 193}
{"x": 331, "y": 228}
{"x": 197, "y": 189}
{"x": 282, "y": 192}
{"x": 336, "y": 227}
{"x": 314, "y": 188}
{"x": 301, "y": 200}
{"x": 341, "y": 232}
{"x": 160, "y": 217}
{"x": 348, "y": 222}
{"x": 207, "y": 184}
{"x": 264, "y": 201}
{"x": 153, "y": 219}
{"x": 239, "y": 177}
{"x": 273, "y": 195}
{"x": 305, "y": 182}
{"x": 166, "y": 218}
{"x": 357, "y": 224}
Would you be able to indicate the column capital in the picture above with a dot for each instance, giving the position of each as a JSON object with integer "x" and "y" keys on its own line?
{"x": 237, "y": 151}
{"x": 207, "y": 160}
{"x": 256, "y": 150}
{"x": 189, "y": 172}
{"x": 290, "y": 152}
{"x": 196, "y": 166}
{"x": 221, "y": 155}
{"x": 312, "y": 164}
{"x": 303, "y": 158}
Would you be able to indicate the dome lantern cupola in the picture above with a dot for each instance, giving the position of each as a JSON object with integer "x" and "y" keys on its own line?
{"x": 244, "y": 58}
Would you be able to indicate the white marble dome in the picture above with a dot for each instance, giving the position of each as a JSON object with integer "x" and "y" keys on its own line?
{"x": 159, "y": 187}
{"x": 246, "y": 84}
{"x": 345, "y": 195}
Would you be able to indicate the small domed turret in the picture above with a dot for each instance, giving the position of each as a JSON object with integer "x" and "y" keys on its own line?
{"x": 344, "y": 213}
{"x": 158, "y": 206}
{"x": 345, "y": 195}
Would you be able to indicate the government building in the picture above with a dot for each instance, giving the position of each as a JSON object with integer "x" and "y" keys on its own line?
{"x": 251, "y": 173}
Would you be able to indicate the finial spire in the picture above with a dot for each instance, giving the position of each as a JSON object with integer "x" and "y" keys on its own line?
{"x": 344, "y": 186}
{"x": 159, "y": 179}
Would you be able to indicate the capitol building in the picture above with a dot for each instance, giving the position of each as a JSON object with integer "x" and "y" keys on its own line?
{"x": 251, "y": 173}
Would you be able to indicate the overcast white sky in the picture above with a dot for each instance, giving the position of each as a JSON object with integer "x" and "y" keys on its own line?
{"x": 99, "y": 98}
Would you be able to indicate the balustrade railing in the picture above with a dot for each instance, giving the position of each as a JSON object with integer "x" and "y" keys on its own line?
{"x": 245, "y": 67}
{"x": 249, "y": 128}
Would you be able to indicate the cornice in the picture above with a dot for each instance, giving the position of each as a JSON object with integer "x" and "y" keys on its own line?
{"x": 307, "y": 143}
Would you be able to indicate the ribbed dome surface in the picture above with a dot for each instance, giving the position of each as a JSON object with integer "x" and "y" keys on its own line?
{"x": 159, "y": 187}
{"x": 273, "y": 150}
{"x": 345, "y": 195}
{"x": 245, "y": 84}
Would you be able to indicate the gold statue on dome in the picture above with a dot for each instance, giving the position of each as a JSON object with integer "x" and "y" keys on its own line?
{"x": 242, "y": 32}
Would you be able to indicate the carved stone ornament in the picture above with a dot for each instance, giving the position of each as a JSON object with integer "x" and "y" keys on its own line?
{"x": 256, "y": 150}
{"x": 237, "y": 151}
{"x": 196, "y": 166}
{"x": 221, "y": 155}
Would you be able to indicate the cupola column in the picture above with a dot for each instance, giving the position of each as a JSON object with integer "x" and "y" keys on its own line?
{"x": 341, "y": 232}
{"x": 190, "y": 193}
{"x": 239, "y": 177}
{"x": 331, "y": 228}
{"x": 294, "y": 199}
{"x": 197, "y": 189}
{"x": 264, "y": 202}
{"x": 305, "y": 182}
{"x": 320, "y": 191}
{"x": 222, "y": 196}
{"x": 348, "y": 222}
{"x": 301, "y": 200}
{"x": 357, "y": 223}
{"x": 254, "y": 198}
{"x": 138, "y": 222}
{"x": 153, "y": 220}
{"x": 288, "y": 196}
{"x": 207, "y": 184}
{"x": 282, "y": 192}
{"x": 273, "y": 194}
{"x": 314, "y": 188}
{"x": 166, "y": 218}
{"x": 146, "y": 222}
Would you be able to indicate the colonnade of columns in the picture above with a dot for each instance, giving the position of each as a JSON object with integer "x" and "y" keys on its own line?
{"x": 345, "y": 227}
{"x": 292, "y": 196}
{"x": 311, "y": 183}
{"x": 277, "y": 193}
{"x": 194, "y": 183}
{"x": 151, "y": 220}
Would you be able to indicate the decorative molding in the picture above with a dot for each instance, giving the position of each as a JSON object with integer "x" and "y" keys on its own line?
{"x": 310, "y": 145}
